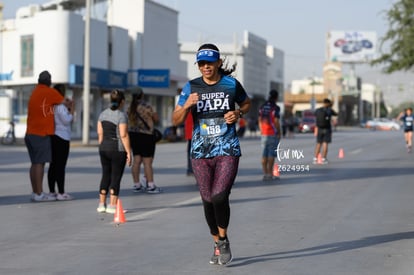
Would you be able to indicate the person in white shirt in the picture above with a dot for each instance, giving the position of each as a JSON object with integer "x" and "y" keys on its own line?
{"x": 60, "y": 146}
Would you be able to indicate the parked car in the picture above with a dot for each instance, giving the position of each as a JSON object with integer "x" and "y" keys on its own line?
{"x": 383, "y": 124}
{"x": 307, "y": 124}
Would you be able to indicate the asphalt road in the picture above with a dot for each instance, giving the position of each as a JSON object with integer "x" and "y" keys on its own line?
{"x": 352, "y": 216}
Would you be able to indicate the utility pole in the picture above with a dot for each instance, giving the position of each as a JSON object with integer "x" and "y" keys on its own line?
{"x": 313, "y": 100}
{"x": 86, "y": 75}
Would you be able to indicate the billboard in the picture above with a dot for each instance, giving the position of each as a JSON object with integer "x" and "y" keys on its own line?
{"x": 351, "y": 46}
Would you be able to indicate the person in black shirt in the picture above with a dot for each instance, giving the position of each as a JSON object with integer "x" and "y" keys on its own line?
{"x": 323, "y": 130}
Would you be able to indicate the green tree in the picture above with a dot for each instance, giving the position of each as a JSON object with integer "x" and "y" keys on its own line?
{"x": 400, "y": 35}
{"x": 396, "y": 111}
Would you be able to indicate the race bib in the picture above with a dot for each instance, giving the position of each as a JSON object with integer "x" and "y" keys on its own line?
{"x": 409, "y": 121}
{"x": 212, "y": 127}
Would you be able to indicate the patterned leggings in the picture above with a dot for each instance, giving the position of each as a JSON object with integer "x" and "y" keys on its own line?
{"x": 215, "y": 177}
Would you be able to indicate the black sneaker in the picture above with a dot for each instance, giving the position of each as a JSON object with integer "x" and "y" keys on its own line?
{"x": 214, "y": 259}
{"x": 153, "y": 190}
{"x": 225, "y": 256}
{"x": 138, "y": 189}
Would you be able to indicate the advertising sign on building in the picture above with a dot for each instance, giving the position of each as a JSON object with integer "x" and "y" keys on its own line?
{"x": 106, "y": 79}
{"x": 351, "y": 46}
{"x": 149, "y": 78}
{"x": 153, "y": 78}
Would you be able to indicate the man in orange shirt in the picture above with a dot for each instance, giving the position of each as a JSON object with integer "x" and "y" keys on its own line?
{"x": 269, "y": 124}
{"x": 40, "y": 126}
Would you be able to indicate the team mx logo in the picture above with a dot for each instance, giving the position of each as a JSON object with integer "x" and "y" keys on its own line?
{"x": 285, "y": 154}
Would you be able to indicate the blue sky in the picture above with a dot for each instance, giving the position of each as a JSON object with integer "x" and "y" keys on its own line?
{"x": 298, "y": 27}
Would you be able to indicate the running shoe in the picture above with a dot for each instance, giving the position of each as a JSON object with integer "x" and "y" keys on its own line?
{"x": 42, "y": 197}
{"x": 214, "y": 259}
{"x": 101, "y": 208}
{"x": 315, "y": 160}
{"x": 324, "y": 161}
{"x": 153, "y": 190}
{"x": 53, "y": 195}
{"x": 138, "y": 189}
{"x": 225, "y": 256}
{"x": 111, "y": 209}
{"x": 64, "y": 197}
{"x": 267, "y": 177}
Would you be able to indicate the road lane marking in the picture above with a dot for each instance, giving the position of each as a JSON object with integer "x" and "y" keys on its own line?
{"x": 157, "y": 211}
{"x": 357, "y": 151}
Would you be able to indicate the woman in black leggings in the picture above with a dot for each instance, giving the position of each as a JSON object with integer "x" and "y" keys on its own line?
{"x": 215, "y": 147}
{"x": 114, "y": 150}
{"x": 60, "y": 146}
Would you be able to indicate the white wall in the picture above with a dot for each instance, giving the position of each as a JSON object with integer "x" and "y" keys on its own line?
{"x": 56, "y": 45}
{"x": 255, "y": 65}
{"x": 367, "y": 92}
{"x": 76, "y": 32}
{"x": 153, "y": 30}
{"x": 188, "y": 55}
{"x": 276, "y": 64}
{"x": 127, "y": 14}
{"x": 119, "y": 61}
{"x": 10, "y": 56}
{"x": 160, "y": 37}
{"x": 99, "y": 44}
{"x": 303, "y": 85}
{"x": 5, "y": 111}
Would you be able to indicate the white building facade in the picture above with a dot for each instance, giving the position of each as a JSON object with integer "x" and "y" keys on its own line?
{"x": 136, "y": 45}
{"x": 122, "y": 55}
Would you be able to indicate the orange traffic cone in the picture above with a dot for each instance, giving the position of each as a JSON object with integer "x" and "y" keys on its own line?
{"x": 276, "y": 172}
{"x": 320, "y": 158}
{"x": 341, "y": 153}
{"x": 119, "y": 216}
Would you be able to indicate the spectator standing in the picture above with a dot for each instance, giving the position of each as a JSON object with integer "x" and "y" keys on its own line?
{"x": 114, "y": 151}
{"x": 40, "y": 126}
{"x": 269, "y": 124}
{"x": 60, "y": 146}
{"x": 215, "y": 147}
{"x": 323, "y": 130}
{"x": 141, "y": 120}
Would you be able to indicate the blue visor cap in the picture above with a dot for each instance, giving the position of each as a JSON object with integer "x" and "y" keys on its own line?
{"x": 208, "y": 55}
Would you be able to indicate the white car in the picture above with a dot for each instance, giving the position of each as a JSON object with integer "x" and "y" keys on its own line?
{"x": 383, "y": 124}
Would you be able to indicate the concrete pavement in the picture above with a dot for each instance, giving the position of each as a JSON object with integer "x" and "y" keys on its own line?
{"x": 352, "y": 216}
